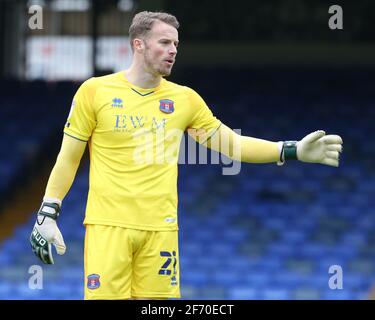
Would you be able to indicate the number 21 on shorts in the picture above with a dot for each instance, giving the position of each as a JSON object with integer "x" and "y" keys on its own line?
{"x": 169, "y": 256}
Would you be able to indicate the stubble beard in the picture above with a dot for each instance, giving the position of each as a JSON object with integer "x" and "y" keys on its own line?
{"x": 156, "y": 70}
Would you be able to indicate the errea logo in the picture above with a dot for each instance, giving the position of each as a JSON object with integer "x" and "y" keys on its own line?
{"x": 117, "y": 103}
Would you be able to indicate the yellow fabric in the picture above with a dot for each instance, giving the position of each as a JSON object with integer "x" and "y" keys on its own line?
{"x": 137, "y": 263}
{"x": 65, "y": 168}
{"x": 242, "y": 148}
{"x": 133, "y": 183}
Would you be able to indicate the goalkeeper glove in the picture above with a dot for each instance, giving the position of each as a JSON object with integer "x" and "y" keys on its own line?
{"x": 46, "y": 232}
{"x": 316, "y": 147}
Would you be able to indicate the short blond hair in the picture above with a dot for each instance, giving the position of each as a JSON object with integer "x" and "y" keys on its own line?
{"x": 142, "y": 23}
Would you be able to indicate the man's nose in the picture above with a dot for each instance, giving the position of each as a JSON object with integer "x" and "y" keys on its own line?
{"x": 173, "y": 50}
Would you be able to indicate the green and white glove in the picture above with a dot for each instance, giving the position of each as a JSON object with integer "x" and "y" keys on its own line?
{"x": 316, "y": 147}
{"x": 46, "y": 232}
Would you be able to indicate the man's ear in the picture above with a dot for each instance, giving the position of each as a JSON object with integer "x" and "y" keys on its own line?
{"x": 138, "y": 44}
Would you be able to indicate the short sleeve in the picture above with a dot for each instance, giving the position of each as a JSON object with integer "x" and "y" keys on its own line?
{"x": 82, "y": 119}
{"x": 203, "y": 124}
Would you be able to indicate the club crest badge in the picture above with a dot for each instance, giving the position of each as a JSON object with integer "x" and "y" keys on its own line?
{"x": 93, "y": 281}
{"x": 166, "y": 106}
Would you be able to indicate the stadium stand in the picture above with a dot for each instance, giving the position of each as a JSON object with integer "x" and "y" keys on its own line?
{"x": 267, "y": 233}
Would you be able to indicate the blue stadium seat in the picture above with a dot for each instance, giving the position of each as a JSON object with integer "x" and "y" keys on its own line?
{"x": 281, "y": 249}
{"x": 275, "y": 294}
{"x": 6, "y": 258}
{"x": 287, "y": 279}
{"x": 257, "y": 278}
{"x": 243, "y": 293}
{"x": 338, "y": 295}
{"x": 226, "y": 277}
{"x": 306, "y": 293}
{"x": 196, "y": 277}
{"x": 23, "y": 292}
{"x": 5, "y": 290}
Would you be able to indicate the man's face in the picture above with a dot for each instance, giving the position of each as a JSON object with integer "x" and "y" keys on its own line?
{"x": 160, "y": 49}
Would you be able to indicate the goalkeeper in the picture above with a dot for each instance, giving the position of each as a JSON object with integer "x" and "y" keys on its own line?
{"x": 129, "y": 121}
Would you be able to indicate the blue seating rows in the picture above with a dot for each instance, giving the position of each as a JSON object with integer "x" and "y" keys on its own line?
{"x": 269, "y": 232}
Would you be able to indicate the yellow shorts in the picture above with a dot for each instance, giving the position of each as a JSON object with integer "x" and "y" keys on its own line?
{"x": 124, "y": 263}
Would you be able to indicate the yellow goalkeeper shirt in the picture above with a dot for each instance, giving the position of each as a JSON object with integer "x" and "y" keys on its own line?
{"x": 134, "y": 137}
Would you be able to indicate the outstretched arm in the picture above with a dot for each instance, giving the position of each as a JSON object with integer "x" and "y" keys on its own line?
{"x": 316, "y": 147}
